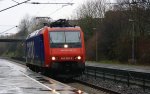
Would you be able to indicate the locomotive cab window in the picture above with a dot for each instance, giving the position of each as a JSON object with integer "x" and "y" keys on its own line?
{"x": 60, "y": 38}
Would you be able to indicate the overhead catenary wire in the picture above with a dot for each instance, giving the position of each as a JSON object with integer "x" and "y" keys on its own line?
{"x": 40, "y": 10}
{"x": 63, "y": 5}
{"x": 8, "y": 29}
{"x": 49, "y": 3}
{"x": 59, "y": 9}
{"x": 56, "y": 10}
{"x": 14, "y": 5}
{"x": 15, "y": 1}
{"x": 6, "y": 25}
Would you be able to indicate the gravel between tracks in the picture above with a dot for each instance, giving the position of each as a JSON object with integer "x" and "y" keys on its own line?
{"x": 120, "y": 87}
{"x": 85, "y": 88}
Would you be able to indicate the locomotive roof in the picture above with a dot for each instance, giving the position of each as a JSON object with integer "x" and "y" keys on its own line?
{"x": 40, "y": 31}
{"x": 61, "y": 24}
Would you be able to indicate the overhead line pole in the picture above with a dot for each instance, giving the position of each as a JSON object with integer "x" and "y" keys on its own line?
{"x": 14, "y": 5}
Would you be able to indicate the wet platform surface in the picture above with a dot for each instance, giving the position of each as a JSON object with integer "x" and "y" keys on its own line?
{"x": 143, "y": 69}
{"x": 15, "y": 79}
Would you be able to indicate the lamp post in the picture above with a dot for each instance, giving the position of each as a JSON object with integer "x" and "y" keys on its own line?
{"x": 133, "y": 41}
{"x": 96, "y": 53}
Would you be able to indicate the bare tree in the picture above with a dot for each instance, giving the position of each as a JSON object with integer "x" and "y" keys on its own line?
{"x": 94, "y": 9}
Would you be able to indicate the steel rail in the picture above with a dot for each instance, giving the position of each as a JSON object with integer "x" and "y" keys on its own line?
{"x": 97, "y": 87}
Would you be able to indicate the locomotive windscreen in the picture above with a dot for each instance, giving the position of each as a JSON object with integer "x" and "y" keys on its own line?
{"x": 59, "y": 38}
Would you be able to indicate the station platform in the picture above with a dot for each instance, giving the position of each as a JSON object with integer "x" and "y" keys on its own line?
{"x": 16, "y": 79}
{"x": 135, "y": 68}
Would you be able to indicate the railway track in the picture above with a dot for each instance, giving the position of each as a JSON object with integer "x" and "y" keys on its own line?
{"x": 99, "y": 88}
{"x": 87, "y": 87}
{"x": 103, "y": 75}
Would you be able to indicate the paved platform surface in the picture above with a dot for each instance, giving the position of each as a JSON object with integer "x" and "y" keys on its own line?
{"x": 144, "y": 69}
{"x": 15, "y": 79}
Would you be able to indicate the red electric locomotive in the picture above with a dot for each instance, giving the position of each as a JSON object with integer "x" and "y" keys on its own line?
{"x": 58, "y": 49}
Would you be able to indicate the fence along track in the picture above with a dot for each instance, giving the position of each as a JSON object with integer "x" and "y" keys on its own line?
{"x": 124, "y": 76}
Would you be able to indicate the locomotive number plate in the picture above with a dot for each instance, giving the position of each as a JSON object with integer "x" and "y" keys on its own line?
{"x": 66, "y": 58}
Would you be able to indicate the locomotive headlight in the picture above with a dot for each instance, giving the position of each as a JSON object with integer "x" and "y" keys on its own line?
{"x": 79, "y": 91}
{"x": 53, "y": 58}
{"x": 79, "y": 57}
{"x": 65, "y": 46}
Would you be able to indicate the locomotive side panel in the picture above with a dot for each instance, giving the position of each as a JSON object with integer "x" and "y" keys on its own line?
{"x": 35, "y": 51}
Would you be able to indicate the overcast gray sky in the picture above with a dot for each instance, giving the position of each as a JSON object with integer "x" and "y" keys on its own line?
{"x": 13, "y": 16}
